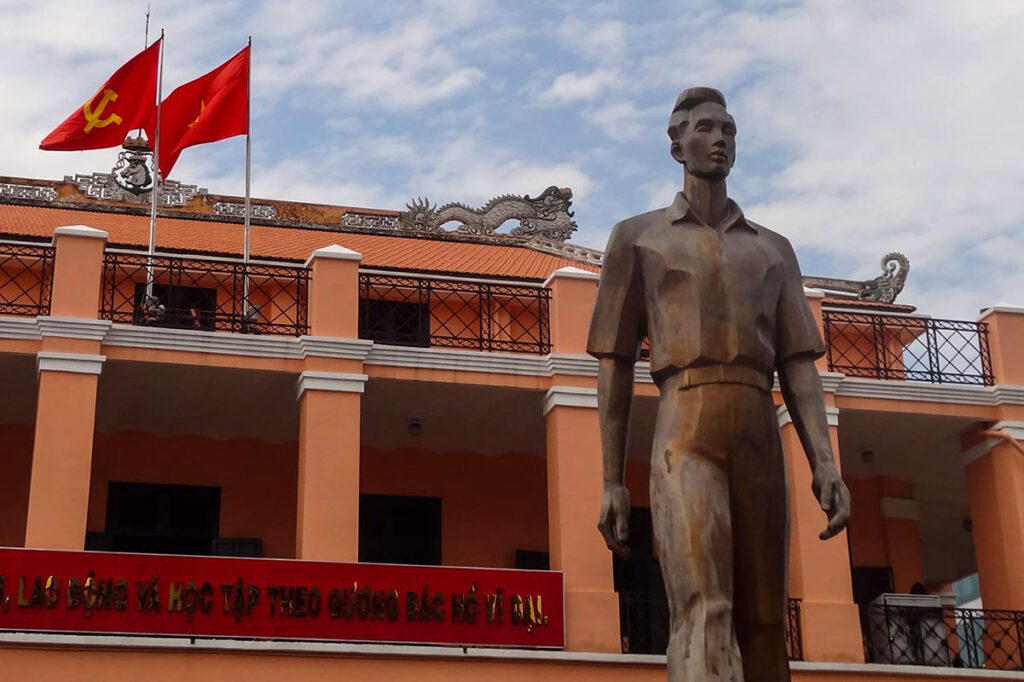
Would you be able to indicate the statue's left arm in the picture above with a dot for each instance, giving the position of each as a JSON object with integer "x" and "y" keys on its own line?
{"x": 805, "y": 399}
{"x": 798, "y": 344}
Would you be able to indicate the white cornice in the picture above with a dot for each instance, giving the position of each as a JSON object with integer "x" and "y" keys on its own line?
{"x": 338, "y": 382}
{"x": 1013, "y": 429}
{"x": 572, "y": 273}
{"x": 81, "y": 231}
{"x": 521, "y": 364}
{"x": 830, "y": 381}
{"x": 782, "y": 412}
{"x": 196, "y": 341}
{"x": 73, "y": 328}
{"x": 1010, "y": 309}
{"x": 334, "y": 252}
{"x": 330, "y": 347}
{"x": 960, "y": 394}
{"x": 900, "y": 508}
{"x": 569, "y": 396}
{"x": 19, "y": 328}
{"x": 75, "y": 363}
{"x": 813, "y": 293}
{"x": 458, "y": 360}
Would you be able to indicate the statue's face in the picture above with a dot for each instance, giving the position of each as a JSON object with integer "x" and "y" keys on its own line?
{"x": 706, "y": 145}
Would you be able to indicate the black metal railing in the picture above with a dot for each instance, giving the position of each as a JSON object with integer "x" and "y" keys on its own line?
{"x": 908, "y": 348}
{"x": 943, "y": 637}
{"x": 421, "y": 311}
{"x": 191, "y": 292}
{"x": 644, "y": 625}
{"x": 26, "y": 278}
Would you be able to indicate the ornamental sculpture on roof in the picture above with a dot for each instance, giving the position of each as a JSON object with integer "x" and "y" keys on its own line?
{"x": 546, "y": 216}
{"x": 884, "y": 288}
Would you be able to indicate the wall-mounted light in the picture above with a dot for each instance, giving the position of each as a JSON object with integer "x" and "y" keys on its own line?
{"x": 414, "y": 427}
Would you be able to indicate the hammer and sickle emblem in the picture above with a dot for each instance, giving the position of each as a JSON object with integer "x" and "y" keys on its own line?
{"x": 93, "y": 117}
{"x": 202, "y": 108}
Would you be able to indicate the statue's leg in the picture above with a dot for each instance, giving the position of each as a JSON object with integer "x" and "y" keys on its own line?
{"x": 692, "y": 524}
{"x": 760, "y": 538}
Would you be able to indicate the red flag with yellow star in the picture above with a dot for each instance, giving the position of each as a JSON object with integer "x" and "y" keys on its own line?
{"x": 210, "y": 108}
{"x": 124, "y": 102}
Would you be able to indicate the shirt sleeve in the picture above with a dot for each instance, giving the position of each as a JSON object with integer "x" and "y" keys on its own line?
{"x": 617, "y": 326}
{"x": 796, "y": 329}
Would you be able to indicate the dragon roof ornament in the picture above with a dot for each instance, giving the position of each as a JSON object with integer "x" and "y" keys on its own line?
{"x": 883, "y": 289}
{"x": 546, "y": 216}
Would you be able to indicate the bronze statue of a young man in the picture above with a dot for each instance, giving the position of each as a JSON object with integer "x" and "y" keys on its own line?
{"x": 721, "y": 301}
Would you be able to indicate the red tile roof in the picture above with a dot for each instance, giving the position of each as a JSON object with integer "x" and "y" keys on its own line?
{"x": 276, "y": 243}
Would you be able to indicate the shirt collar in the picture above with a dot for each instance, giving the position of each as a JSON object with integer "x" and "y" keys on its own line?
{"x": 680, "y": 210}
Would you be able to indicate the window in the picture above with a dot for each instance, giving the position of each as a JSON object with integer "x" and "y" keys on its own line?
{"x": 162, "y": 519}
{"x": 397, "y": 529}
{"x": 401, "y": 323}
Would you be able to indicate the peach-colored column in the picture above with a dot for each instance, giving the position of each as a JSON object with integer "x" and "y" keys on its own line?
{"x": 819, "y": 571}
{"x": 1006, "y": 338}
{"x": 329, "y": 406}
{"x": 575, "y": 477}
{"x": 66, "y": 408}
{"x": 995, "y": 487}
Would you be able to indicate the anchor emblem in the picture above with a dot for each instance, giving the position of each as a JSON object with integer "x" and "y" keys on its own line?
{"x": 93, "y": 117}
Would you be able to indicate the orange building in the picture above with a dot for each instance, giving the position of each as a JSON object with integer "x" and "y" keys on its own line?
{"x": 389, "y": 392}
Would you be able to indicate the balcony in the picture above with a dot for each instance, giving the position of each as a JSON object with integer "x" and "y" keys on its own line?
{"x": 446, "y": 313}
{"x": 26, "y": 278}
{"x": 907, "y": 348}
{"x": 643, "y": 623}
{"x": 943, "y": 637}
{"x": 194, "y": 292}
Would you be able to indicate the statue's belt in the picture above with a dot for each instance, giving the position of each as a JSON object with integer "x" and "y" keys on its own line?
{"x": 725, "y": 374}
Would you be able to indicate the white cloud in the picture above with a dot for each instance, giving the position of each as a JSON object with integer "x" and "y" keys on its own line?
{"x": 598, "y": 40}
{"x": 898, "y": 123}
{"x": 621, "y": 121}
{"x": 574, "y": 87}
{"x": 466, "y": 169}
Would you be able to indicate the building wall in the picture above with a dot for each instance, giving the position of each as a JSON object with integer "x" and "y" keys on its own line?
{"x": 490, "y": 506}
{"x": 258, "y": 480}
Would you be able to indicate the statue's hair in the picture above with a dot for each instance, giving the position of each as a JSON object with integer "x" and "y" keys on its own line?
{"x": 687, "y": 100}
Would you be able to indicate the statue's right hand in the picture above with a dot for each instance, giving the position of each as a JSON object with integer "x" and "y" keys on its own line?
{"x": 614, "y": 522}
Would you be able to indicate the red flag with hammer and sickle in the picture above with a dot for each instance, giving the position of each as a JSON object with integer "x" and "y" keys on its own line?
{"x": 210, "y": 108}
{"x": 124, "y": 102}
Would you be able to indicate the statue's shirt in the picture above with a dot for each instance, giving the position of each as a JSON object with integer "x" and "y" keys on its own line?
{"x": 724, "y": 295}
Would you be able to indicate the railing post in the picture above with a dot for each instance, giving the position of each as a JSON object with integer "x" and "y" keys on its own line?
{"x": 68, "y": 371}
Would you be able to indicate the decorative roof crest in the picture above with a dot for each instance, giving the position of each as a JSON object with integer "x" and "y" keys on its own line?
{"x": 546, "y": 216}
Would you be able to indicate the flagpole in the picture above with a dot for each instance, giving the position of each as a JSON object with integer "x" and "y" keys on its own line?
{"x": 156, "y": 173}
{"x": 248, "y": 173}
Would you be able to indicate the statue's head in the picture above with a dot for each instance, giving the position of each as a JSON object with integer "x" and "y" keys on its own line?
{"x": 703, "y": 133}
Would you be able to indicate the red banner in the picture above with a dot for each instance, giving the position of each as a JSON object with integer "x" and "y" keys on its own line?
{"x": 156, "y": 594}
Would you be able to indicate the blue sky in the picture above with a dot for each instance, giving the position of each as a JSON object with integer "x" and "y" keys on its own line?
{"x": 864, "y": 127}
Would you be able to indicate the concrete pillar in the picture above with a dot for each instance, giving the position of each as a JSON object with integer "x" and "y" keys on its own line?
{"x": 819, "y": 571}
{"x": 1005, "y": 325}
{"x": 328, "y": 497}
{"x": 575, "y": 476}
{"x": 327, "y": 518}
{"x": 995, "y": 488}
{"x": 574, "y": 500}
{"x": 68, "y": 371}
